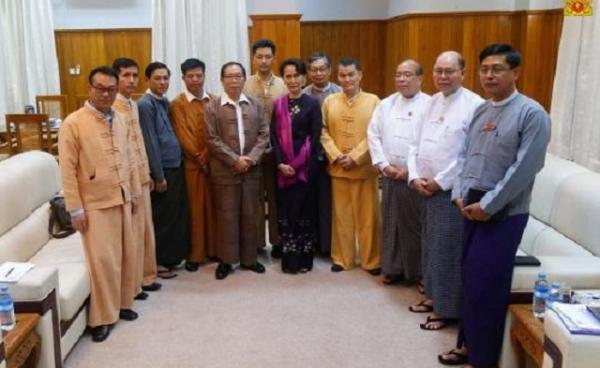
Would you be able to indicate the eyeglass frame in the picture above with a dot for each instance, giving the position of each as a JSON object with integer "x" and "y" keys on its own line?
{"x": 103, "y": 90}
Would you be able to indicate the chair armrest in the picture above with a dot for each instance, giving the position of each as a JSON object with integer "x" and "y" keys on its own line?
{"x": 36, "y": 284}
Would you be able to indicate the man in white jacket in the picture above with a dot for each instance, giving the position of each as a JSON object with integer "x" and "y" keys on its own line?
{"x": 390, "y": 131}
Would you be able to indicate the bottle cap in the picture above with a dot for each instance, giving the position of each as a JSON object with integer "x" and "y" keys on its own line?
{"x": 542, "y": 275}
{"x": 556, "y": 284}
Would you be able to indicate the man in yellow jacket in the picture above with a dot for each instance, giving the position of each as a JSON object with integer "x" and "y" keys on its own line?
{"x": 355, "y": 202}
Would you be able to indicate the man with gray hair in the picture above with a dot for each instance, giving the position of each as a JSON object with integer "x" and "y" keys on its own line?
{"x": 390, "y": 131}
{"x": 432, "y": 166}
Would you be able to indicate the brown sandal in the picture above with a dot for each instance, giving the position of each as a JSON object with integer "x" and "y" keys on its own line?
{"x": 421, "y": 307}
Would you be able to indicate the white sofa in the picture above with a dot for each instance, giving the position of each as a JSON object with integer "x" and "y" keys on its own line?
{"x": 58, "y": 287}
{"x": 563, "y": 232}
{"x": 563, "y": 350}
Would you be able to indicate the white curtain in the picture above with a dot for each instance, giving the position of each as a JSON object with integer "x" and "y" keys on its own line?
{"x": 28, "y": 60}
{"x": 214, "y": 31}
{"x": 576, "y": 94}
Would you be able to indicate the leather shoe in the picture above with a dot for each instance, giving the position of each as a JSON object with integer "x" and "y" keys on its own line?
{"x": 141, "y": 296}
{"x": 375, "y": 271}
{"x": 192, "y": 266}
{"x": 336, "y": 268}
{"x": 100, "y": 333}
{"x": 257, "y": 267}
{"x": 155, "y": 286}
{"x": 223, "y": 269}
{"x": 128, "y": 314}
{"x": 277, "y": 251}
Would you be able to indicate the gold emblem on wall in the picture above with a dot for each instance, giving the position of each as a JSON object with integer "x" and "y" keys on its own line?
{"x": 578, "y": 8}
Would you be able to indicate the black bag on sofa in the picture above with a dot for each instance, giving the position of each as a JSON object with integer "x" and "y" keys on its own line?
{"x": 60, "y": 218}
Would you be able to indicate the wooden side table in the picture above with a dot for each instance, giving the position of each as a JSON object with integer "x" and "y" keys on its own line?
{"x": 23, "y": 343}
{"x": 526, "y": 334}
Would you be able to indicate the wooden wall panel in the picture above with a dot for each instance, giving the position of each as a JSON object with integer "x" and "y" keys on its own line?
{"x": 91, "y": 48}
{"x": 283, "y": 30}
{"x": 363, "y": 40}
{"x": 379, "y": 45}
{"x": 423, "y": 36}
{"x": 540, "y": 42}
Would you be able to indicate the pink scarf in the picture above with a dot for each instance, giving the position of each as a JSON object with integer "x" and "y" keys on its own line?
{"x": 284, "y": 136}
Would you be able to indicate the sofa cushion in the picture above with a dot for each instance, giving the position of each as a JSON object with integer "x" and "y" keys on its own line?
{"x": 74, "y": 280}
{"x": 532, "y": 231}
{"x": 27, "y": 180}
{"x": 577, "y": 210}
{"x": 22, "y": 241}
{"x": 547, "y": 184}
{"x": 552, "y": 243}
{"x": 580, "y": 272}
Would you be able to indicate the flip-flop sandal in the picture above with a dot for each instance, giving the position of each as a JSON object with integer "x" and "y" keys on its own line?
{"x": 438, "y": 323}
{"x": 421, "y": 307}
{"x": 458, "y": 358}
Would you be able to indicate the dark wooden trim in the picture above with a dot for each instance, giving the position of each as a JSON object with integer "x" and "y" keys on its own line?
{"x": 65, "y": 325}
{"x": 103, "y": 30}
{"x": 553, "y": 351}
{"x": 520, "y": 297}
{"x": 344, "y": 21}
{"x": 477, "y": 13}
{"x": 41, "y": 307}
{"x": 275, "y": 16}
{"x": 2, "y": 352}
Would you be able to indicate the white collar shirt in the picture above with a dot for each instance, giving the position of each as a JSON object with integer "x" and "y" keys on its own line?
{"x": 191, "y": 97}
{"x": 225, "y": 99}
{"x": 392, "y": 127}
{"x": 439, "y": 137}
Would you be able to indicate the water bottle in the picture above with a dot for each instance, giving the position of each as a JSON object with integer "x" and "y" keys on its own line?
{"x": 540, "y": 293}
{"x": 7, "y": 310}
{"x": 553, "y": 295}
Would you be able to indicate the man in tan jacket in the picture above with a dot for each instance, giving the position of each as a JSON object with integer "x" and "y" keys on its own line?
{"x": 238, "y": 135}
{"x": 102, "y": 189}
{"x": 143, "y": 227}
{"x": 187, "y": 116}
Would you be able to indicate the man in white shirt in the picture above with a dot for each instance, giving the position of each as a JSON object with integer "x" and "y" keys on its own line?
{"x": 432, "y": 166}
{"x": 390, "y": 131}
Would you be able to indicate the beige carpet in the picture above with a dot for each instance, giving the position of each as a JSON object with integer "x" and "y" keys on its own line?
{"x": 320, "y": 319}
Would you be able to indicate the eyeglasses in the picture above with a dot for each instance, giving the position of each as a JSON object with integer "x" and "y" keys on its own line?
{"x": 495, "y": 70}
{"x": 406, "y": 75}
{"x": 237, "y": 77}
{"x": 103, "y": 90}
{"x": 323, "y": 70}
{"x": 448, "y": 72}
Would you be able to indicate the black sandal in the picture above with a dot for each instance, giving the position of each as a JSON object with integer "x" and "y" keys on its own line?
{"x": 458, "y": 358}
{"x": 443, "y": 323}
{"x": 421, "y": 307}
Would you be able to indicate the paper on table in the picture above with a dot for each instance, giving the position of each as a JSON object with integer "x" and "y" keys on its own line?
{"x": 13, "y": 271}
{"x": 577, "y": 319}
